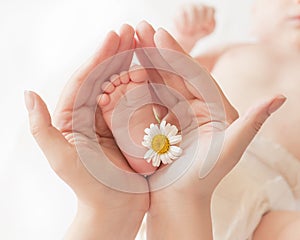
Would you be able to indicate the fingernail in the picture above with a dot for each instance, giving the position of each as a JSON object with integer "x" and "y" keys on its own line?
{"x": 277, "y": 103}
{"x": 143, "y": 22}
{"x": 160, "y": 29}
{"x": 29, "y": 100}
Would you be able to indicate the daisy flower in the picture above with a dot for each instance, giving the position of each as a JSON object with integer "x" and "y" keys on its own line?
{"x": 160, "y": 139}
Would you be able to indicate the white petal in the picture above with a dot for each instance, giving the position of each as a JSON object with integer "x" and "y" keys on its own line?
{"x": 169, "y": 160}
{"x": 147, "y": 131}
{"x": 168, "y": 128}
{"x": 149, "y": 154}
{"x": 156, "y": 160}
{"x": 162, "y": 127}
{"x": 158, "y": 129}
{"x": 154, "y": 130}
{"x": 147, "y": 138}
{"x": 164, "y": 158}
{"x": 146, "y": 144}
{"x": 163, "y": 123}
{"x": 175, "y": 139}
{"x": 173, "y": 131}
{"x": 176, "y": 151}
{"x": 171, "y": 156}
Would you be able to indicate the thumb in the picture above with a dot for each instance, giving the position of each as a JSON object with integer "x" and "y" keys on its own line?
{"x": 239, "y": 135}
{"x": 50, "y": 140}
{"x": 243, "y": 130}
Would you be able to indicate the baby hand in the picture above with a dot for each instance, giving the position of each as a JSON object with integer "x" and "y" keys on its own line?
{"x": 194, "y": 22}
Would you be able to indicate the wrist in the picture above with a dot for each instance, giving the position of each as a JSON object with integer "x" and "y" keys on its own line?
{"x": 179, "y": 217}
{"x": 104, "y": 223}
{"x": 184, "y": 203}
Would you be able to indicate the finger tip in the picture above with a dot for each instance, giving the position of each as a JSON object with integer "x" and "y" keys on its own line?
{"x": 161, "y": 29}
{"x": 111, "y": 39}
{"x": 281, "y": 96}
{"x": 144, "y": 26}
{"x": 143, "y": 22}
{"x": 29, "y": 100}
{"x": 140, "y": 25}
{"x": 111, "y": 36}
{"x": 276, "y": 103}
{"x": 159, "y": 35}
{"x": 162, "y": 32}
{"x": 127, "y": 28}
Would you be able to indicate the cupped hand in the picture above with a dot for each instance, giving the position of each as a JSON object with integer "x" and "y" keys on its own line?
{"x": 81, "y": 131}
{"x": 221, "y": 137}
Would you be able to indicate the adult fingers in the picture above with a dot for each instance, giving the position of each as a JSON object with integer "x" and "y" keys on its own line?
{"x": 243, "y": 130}
{"x": 200, "y": 83}
{"x": 127, "y": 43}
{"x": 150, "y": 58}
{"x": 56, "y": 148}
{"x": 240, "y": 133}
{"x": 119, "y": 61}
{"x": 108, "y": 48}
{"x": 147, "y": 54}
{"x": 78, "y": 92}
{"x": 145, "y": 33}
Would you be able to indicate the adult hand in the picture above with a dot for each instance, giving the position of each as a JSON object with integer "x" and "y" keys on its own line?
{"x": 102, "y": 210}
{"x": 181, "y": 208}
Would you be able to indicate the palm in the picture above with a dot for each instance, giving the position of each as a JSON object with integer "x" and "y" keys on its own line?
{"x": 214, "y": 132}
{"x": 202, "y": 111}
{"x": 203, "y": 128}
{"x": 92, "y": 145}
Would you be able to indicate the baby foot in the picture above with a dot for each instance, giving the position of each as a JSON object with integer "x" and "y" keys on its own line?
{"x": 124, "y": 93}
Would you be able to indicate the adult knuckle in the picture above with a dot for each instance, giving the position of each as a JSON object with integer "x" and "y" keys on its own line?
{"x": 254, "y": 119}
{"x": 256, "y": 125}
{"x": 35, "y": 130}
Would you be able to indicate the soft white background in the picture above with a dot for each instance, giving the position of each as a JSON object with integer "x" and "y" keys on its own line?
{"x": 41, "y": 45}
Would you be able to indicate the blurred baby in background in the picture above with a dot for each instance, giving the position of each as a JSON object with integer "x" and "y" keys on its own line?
{"x": 270, "y": 170}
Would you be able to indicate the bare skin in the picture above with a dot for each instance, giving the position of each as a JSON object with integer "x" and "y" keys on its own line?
{"x": 102, "y": 210}
{"x": 271, "y": 71}
{"x": 182, "y": 210}
{"x": 265, "y": 70}
{"x": 120, "y": 86}
{"x": 269, "y": 66}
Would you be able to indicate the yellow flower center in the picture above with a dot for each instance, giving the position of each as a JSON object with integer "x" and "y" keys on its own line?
{"x": 160, "y": 144}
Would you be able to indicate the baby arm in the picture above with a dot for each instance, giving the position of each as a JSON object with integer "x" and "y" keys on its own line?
{"x": 193, "y": 22}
